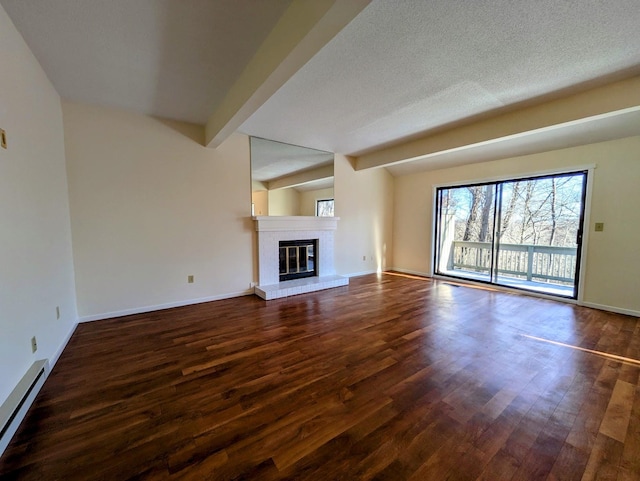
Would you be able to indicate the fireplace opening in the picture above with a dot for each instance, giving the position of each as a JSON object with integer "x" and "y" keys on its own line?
{"x": 298, "y": 259}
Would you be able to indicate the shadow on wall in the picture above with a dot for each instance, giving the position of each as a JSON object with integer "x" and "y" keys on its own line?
{"x": 194, "y": 132}
{"x": 205, "y": 38}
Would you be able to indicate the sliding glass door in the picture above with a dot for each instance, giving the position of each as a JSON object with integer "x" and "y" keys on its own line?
{"x": 521, "y": 233}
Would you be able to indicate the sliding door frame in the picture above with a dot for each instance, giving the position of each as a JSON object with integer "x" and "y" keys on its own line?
{"x": 581, "y": 260}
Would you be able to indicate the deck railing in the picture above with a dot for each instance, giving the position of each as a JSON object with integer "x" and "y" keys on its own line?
{"x": 530, "y": 262}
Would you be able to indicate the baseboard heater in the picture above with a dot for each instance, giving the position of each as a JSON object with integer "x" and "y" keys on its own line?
{"x": 14, "y": 409}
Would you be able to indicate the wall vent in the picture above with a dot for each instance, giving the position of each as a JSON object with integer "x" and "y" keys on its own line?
{"x": 14, "y": 409}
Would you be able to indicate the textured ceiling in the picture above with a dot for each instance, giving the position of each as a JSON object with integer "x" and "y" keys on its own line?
{"x": 170, "y": 58}
{"x": 401, "y": 68}
{"x": 406, "y": 67}
{"x": 272, "y": 160}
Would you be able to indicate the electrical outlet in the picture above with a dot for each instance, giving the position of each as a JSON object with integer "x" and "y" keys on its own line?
{"x": 34, "y": 344}
{"x": 190, "y": 279}
{"x": 57, "y": 312}
{"x": 3, "y": 139}
{"x": 599, "y": 226}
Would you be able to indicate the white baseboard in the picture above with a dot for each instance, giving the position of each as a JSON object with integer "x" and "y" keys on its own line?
{"x": 603, "y": 307}
{"x": 159, "y": 307}
{"x": 58, "y": 353}
{"x": 362, "y": 273}
{"x": 592, "y": 305}
{"x": 409, "y": 271}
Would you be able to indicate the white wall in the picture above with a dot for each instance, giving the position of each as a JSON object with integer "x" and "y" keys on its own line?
{"x": 284, "y": 202}
{"x": 150, "y": 206}
{"x": 35, "y": 244}
{"x": 613, "y": 256}
{"x": 364, "y": 203}
{"x": 260, "y": 201}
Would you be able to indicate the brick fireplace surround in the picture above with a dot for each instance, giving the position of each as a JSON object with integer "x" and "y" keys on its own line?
{"x": 272, "y": 230}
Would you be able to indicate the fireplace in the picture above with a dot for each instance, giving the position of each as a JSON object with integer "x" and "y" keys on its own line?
{"x": 297, "y": 259}
{"x": 296, "y": 234}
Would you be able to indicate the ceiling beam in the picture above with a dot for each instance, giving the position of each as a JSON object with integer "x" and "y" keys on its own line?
{"x": 304, "y": 28}
{"x": 300, "y": 178}
{"x": 598, "y": 101}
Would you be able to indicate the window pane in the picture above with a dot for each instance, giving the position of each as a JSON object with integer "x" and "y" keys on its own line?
{"x": 539, "y": 224}
{"x": 466, "y": 231}
{"x": 324, "y": 208}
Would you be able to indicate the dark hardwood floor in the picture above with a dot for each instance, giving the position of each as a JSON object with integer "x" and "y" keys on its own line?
{"x": 390, "y": 378}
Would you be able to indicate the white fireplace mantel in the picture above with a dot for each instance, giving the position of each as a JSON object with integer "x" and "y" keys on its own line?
{"x": 295, "y": 223}
{"x": 272, "y": 230}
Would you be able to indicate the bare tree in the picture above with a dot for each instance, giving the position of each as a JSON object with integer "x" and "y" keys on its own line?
{"x": 526, "y": 208}
{"x": 508, "y": 213}
{"x": 486, "y": 213}
{"x": 476, "y": 194}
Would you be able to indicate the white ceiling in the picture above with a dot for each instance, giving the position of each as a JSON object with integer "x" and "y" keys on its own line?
{"x": 619, "y": 124}
{"x": 406, "y": 67}
{"x": 401, "y": 68}
{"x": 315, "y": 185}
{"x": 272, "y": 160}
{"x": 169, "y": 58}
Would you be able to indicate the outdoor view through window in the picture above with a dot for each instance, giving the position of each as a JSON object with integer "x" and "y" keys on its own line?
{"x": 523, "y": 233}
{"x": 324, "y": 208}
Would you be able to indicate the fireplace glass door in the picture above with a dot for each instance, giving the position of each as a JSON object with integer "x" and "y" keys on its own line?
{"x": 297, "y": 259}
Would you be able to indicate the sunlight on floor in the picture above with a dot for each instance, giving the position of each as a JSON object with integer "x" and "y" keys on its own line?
{"x": 408, "y": 276}
{"x": 628, "y": 360}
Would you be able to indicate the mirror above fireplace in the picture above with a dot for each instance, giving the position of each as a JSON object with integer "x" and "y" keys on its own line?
{"x": 288, "y": 180}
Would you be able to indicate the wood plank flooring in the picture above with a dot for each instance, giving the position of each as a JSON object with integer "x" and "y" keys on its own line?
{"x": 392, "y": 377}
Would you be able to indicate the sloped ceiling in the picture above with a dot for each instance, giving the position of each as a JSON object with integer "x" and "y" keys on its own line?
{"x": 352, "y": 76}
{"x": 272, "y": 160}
{"x": 408, "y": 67}
{"x": 169, "y": 58}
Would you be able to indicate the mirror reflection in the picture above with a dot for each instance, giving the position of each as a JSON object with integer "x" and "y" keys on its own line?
{"x": 290, "y": 180}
